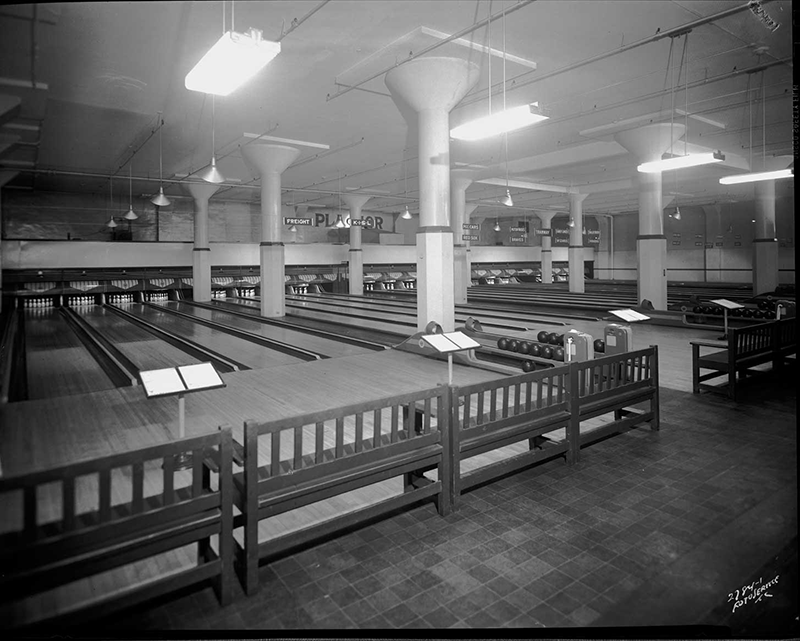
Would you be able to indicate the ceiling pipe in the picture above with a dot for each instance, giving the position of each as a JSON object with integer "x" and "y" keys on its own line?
{"x": 296, "y": 23}
{"x": 463, "y": 32}
{"x": 675, "y": 31}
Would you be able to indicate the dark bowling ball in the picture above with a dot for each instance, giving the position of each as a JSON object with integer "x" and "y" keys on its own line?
{"x": 697, "y": 309}
{"x": 536, "y": 349}
{"x": 762, "y": 305}
{"x": 547, "y": 352}
{"x": 528, "y": 366}
{"x": 552, "y": 338}
{"x": 542, "y": 336}
{"x": 558, "y": 353}
{"x": 524, "y": 347}
{"x": 560, "y": 339}
{"x": 599, "y": 345}
{"x": 758, "y": 314}
{"x": 513, "y": 346}
{"x": 748, "y": 313}
{"x": 503, "y": 343}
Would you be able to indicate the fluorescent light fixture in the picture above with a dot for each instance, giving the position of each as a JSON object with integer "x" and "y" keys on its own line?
{"x": 234, "y": 59}
{"x": 498, "y": 123}
{"x": 752, "y": 178}
{"x": 679, "y": 162}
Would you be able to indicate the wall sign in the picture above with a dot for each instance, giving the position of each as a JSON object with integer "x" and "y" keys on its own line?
{"x": 297, "y": 221}
{"x": 475, "y": 226}
{"x": 470, "y": 237}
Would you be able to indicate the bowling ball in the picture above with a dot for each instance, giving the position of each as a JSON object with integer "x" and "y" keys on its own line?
{"x": 536, "y": 349}
{"x": 525, "y": 347}
{"x": 503, "y": 343}
{"x": 528, "y": 366}
{"x": 747, "y": 313}
{"x": 762, "y": 305}
{"x": 558, "y": 353}
{"x": 547, "y": 352}
{"x": 758, "y": 314}
{"x": 599, "y": 345}
{"x": 735, "y": 312}
{"x": 560, "y": 339}
{"x": 513, "y": 346}
{"x": 697, "y": 309}
{"x": 542, "y": 336}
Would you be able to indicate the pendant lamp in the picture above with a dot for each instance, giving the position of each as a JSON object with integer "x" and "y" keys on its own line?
{"x": 160, "y": 199}
{"x": 111, "y": 224}
{"x": 406, "y": 214}
{"x": 131, "y": 215}
{"x": 211, "y": 174}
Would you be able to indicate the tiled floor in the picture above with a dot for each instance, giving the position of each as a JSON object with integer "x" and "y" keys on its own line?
{"x": 647, "y": 528}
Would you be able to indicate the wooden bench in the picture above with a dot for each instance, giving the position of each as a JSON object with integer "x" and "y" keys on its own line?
{"x": 615, "y": 384}
{"x": 518, "y": 409}
{"x": 294, "y": 462}
{"x": 73, "y": 524}
{"x": 746, "y": 348}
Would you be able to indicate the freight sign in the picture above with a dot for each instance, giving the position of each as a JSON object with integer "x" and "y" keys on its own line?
{"x": 297, "y": 221}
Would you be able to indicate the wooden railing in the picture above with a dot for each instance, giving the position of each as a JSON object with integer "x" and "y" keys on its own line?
{"x": 497, "y": 414}
{"x": 80, "y": 520}
{"x": 289, "y": 463}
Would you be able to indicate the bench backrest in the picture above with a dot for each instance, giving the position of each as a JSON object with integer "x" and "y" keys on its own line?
{"x": 510, "y": 400}
{"x": 66, "y": 514}
{"x": 762, "y": 337}
{"x": 611, "y": 375}
{"x": 307, "y": 447}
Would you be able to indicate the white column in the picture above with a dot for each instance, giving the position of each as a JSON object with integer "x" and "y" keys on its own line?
{"x": 432, "y": 87}
{"x": 5, "y": 178}
{"x": 271, "y": 161}
{"x": 355, "y": 256}
{"x": 765, "y": 242}
{"x": 547, "y": 246}
{"x": 575, "y": 251}
{"x": 460, "y": 179}
{"x": 201, "y": 252}
{"x": 647, "y": 144}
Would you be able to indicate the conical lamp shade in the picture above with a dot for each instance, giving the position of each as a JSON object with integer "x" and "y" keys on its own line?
{"x": 406, "y": 214}
{"x": 111, "y": 224}
{"x": 160, "y": 199}
{"x": 507, "y": 200}
{"x": 131, "y": 215}
{"x": 571, "y": 223}
{"x": 497, "y": 226}
{"x": 677, "y": 215}
{"x": 211, "y": 174}
{"x": 293, "y": 228}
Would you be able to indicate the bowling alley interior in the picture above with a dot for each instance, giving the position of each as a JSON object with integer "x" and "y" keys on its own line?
{"x": 375, "y": 314}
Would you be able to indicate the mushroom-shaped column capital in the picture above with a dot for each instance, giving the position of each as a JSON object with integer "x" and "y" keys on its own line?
{"x": 355, "y": 202}
{"x": 545, "y": 216}
{"x": 268, "y": 158}
{"x": 648, "y": 143}
{"x": 433, "y": 83}
{"x": 201, "y": 191}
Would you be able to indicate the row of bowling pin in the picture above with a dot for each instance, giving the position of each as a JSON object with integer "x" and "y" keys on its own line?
{"x": 152, "y": 296}
{"x": 80, "y": 301}
{"x": 120, "y": 298}
{"x": 218, "y": 293}
{"x": 29, "y": 303}
{"x": 250, "y": 292}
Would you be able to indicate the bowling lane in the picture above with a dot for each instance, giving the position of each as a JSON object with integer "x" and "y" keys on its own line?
{"x": 241, "y": 350}
{"x": 317, "y": 344}
{"x": 58, "y": 363}
{"x": 145, "y": 350}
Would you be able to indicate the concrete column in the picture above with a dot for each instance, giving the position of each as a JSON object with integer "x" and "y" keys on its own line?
{"x": 271, "y": 161}
{"x": 432, "y": 87}
{"x": 201, "y": 253}
{"x": 765, "y": 241}
{"x": 468, "y": 211}
{"x": 355, "y": 256}
{"x": 460, "y": 179}
{"x": 547, "y": 243}
{"x": 647, "y": 144}
{"x": 5, "y": 178}
{"x": 575, "y": 251}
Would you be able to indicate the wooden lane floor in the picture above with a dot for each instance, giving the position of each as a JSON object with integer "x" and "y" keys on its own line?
{"x": 317, "y": 344}
{"x": 145, "y": 350}
{"x": 42, "y": 434}
{"x": 58, "y": 364}
{"x": 239, "y": 349}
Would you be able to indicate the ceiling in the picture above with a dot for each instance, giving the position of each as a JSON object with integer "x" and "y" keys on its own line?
{"x": 82, "y": 86}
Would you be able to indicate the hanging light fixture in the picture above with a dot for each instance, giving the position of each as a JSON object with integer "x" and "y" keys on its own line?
{"x": 571, "y": 222}
{"x": 406, "y": 214}
{"x": 677, "y": 214}
{"x": 507, "y": 201}
{"x": 211, "y": 174}
{"x": 293, "y": 228}
{"x": 234, "y": 59}
{"x": 131, "y": 215}
{"x": 671, "y": 161}
{"x": 111, "y": 224}
{"x": 160, "y": 199}
{"x": 502, "y": 121}
{"x": 762, "y": 175}
{"x": 496, "y": 225}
